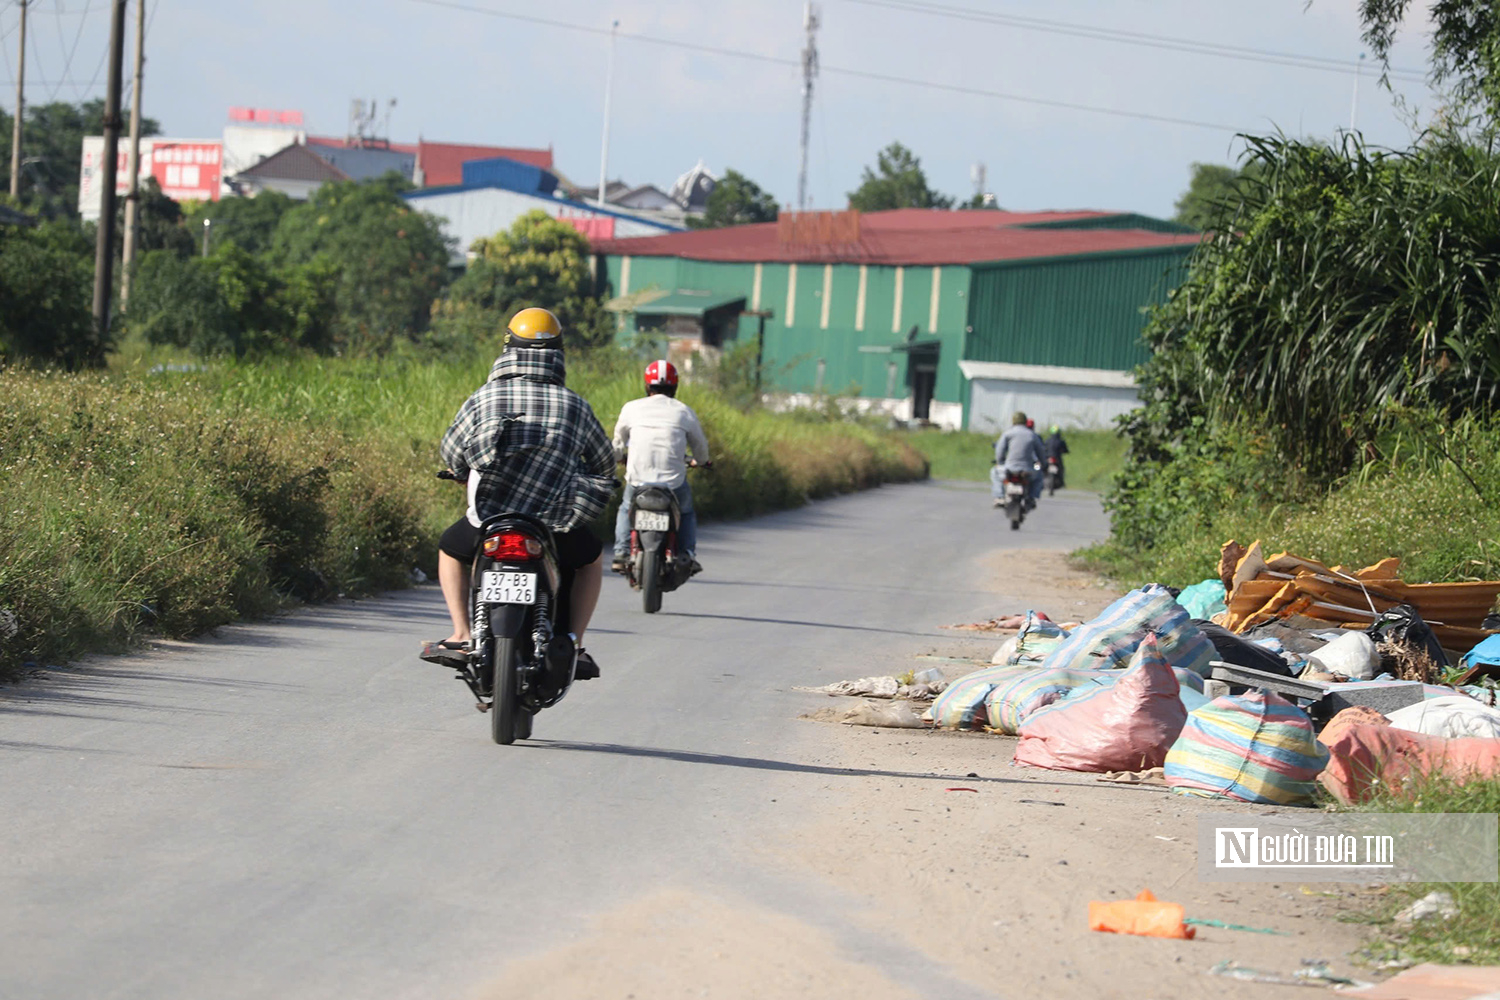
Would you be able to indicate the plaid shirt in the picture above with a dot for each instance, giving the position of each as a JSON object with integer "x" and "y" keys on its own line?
{"x": 536, "y": 444}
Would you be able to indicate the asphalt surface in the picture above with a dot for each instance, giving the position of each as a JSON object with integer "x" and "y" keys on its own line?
{"x": 300, "y": 808}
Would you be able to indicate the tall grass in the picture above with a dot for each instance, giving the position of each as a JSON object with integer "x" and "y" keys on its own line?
{"x": 1471, "y": 937}
{"x": 169, "y": 503}
{"x": 1092, "y": 460}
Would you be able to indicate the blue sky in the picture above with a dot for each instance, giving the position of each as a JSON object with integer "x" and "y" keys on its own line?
{"x": 464, "y": 76}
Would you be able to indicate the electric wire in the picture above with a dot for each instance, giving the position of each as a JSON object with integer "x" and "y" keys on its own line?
{"x": 825, "y": 68}
{"x": 77, "y": 36}
{"x": 1127, "y": 37}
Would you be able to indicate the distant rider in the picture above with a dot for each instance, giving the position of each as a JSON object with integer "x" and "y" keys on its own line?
{"x": 526, "y": 444}
{"x": 1053, "y": 450}
{"x": 1018, "y": 450}
{"x": 654, "y": 436}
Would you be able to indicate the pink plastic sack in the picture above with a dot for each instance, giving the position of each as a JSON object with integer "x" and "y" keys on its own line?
{"x": 1126, "y": 727}
{"x": 1365, "y": 752}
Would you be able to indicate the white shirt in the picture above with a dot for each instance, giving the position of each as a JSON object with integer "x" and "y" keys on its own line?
{"x": 658, "y": 432}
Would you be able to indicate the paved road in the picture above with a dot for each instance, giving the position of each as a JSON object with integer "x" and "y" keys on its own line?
{"x": 302, "y": 809}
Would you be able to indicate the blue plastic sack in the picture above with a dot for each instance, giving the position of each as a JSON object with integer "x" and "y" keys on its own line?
{"x": 1203, "y": 600}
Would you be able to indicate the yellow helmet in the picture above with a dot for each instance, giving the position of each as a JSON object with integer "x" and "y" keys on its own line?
{"x": 533, "y": 327}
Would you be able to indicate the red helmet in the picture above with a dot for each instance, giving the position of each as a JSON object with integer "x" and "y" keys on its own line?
{"x": 661, "y": 375}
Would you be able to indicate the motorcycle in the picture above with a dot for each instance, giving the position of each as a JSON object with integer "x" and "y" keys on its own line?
{"x": 655, "y": 567}
{"x": 1015, "y": 498}
{"x": 1053, "y": 476}
{"x": 518, "y": 663}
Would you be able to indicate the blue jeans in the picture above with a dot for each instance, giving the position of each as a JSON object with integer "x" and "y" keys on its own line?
{"x": 687, "y": 531}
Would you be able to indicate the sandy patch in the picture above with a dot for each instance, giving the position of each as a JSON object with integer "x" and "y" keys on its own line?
{"x": 676, "y": 943}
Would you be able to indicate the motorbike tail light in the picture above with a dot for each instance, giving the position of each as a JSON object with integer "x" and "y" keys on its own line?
{"x": 512, "y": 546}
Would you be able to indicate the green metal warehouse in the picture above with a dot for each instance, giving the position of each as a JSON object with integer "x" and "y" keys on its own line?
{"x": 954, "y": 317}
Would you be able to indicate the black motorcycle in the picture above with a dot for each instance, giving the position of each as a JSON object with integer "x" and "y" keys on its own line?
{"x": 1054, "y": 476}
{"x": 656, "y": 566}
{"x": 518, "y": 663}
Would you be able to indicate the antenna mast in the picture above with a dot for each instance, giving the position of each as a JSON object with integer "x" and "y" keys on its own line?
{"x": 809, "y": 73}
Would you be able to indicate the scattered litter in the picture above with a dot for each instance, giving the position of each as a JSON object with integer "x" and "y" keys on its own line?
{"x": 1313, "y": 975}
{"x": 1002, "y": 624}
{"x": 1352, "y": 655}
{"x": 1145, "y": 915}
{"x": 1439, "y": 982}
{"x": 1170, "y": 839}
{"x": 1151, "y": 775}
{"x": 416, "y": 575}
{"x": 1435, "y": 904}
{"x": 1041, "y": 802}
{"x": 884, "y": 715}
{"x": 1205, "y": 922}
{"x": 961, "y": 789}
{"x": 872, "y": 687}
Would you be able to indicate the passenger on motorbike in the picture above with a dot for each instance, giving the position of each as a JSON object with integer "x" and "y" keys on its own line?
{"x": 527, "y": 444}
{"x": 1054, "y": 448}
{"x": 1018, "y": 450}
{"x": 654, "y": 436}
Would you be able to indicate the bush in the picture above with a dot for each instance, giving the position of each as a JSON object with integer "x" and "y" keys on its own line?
{"x": 46, "y": 297}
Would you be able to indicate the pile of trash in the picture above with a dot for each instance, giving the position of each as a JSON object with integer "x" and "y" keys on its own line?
{"x": 1283, "y": 673}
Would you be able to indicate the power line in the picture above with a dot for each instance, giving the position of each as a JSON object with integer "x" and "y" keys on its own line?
{"x": 1123, "y": 36}
{"x": 845, "y": 71}
{"x": 77, "y": 36}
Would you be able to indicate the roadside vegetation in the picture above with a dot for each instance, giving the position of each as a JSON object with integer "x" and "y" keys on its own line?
{"x": 1467, "y": 938}
{"x": 167, "y": 503}
{"x": 1091, "y": 463}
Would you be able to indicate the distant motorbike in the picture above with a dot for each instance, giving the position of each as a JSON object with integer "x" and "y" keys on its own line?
{"x": 656, "y": 566}
{"x": 1015, "y": 497}
{"x": 518, "y": 663}
{"x": 1053, "y": 476}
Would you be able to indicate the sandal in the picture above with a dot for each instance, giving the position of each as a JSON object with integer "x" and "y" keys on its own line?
{"x": 447, "y": 652}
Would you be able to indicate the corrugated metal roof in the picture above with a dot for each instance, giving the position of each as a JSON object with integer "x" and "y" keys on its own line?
{"x": 686, "y": 302}
{"x": 906, "y": 236}
{"x": 442, "y": 163}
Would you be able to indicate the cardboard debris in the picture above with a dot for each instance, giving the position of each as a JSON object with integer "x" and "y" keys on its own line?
{"x": 1306, "y": 593}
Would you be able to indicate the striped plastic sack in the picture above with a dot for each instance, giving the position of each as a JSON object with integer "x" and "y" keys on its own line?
{"x": 1254, "y": 747}
{"x": 1110, "y": 639}
{"x": 961, "y": 705}
{"x": 1008, "y": 704}
{"x": 1036, "y": 640}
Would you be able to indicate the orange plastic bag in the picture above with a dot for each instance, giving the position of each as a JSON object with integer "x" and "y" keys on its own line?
{"x": 1144, "y": 915}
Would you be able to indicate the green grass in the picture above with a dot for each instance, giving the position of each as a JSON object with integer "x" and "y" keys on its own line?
{"x": 137, "y": 503}
{"x": 1093, "y": 459}
{"x": 1471, "y": 937}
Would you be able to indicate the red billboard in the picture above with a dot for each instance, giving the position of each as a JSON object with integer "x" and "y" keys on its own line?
{"x": 265, "y": 116}
{"x": 595, "y": 227}
{"x": 186, "y": 169}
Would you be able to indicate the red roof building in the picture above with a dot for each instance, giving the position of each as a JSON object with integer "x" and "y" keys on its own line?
{"x": 440, "y": 164}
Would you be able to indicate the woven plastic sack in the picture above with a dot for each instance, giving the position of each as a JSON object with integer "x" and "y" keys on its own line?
{"x": 1110, "y": 639}
{"x": 961, "y": 705}
{"x": 1008, "y": 704}
{"x": 1189, "y": 683}
{"x": 1453, "y": 717}
{"x": 1254, "y": 747}
{"x": 1366, "y": 751}
{"x": 1127, "y": 726}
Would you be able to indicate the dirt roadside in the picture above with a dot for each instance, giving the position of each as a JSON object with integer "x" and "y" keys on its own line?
{"x": 990, "y": 886}
{"x": 995, "y": 883}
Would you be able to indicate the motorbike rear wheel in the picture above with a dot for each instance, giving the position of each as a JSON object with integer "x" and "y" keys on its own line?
{"x": 651, "y": 583}
{"x": 1051, "y": 483}
{"x": 1014, "y": 511}
{"x": 504, "y": 709}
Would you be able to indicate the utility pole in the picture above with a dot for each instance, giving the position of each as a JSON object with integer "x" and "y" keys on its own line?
{"x": 15, "y": 135}
{"x": 809, "y": 73}
{"x": 1354, "y": 104}
{"x": 133, "y": 192}
{"x": 104, "y": 250}
{"x": 609, "y": 86}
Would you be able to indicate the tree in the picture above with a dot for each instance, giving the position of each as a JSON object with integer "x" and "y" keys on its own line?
{"x": 46, "y": 296}
{"x": 391, "y": 260}
{"x": 539, "y": 261}
{"x": 735, "y": 201}
{"x": 1215, "y": 192}
{"x": 897, "y": 182}
{"x": 52, "y": 144}
{"x": 1465, "y": 44}
{"x": 249, "y": 222}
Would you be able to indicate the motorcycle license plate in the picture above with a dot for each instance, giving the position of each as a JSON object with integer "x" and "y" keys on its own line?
{"x": 1014, "y": 489}
{"x": 652, "y": 520}
{"x": 507, "y": 587}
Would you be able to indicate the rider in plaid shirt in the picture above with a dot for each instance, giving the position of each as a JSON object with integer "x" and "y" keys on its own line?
{"x": 527, "y": 444}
